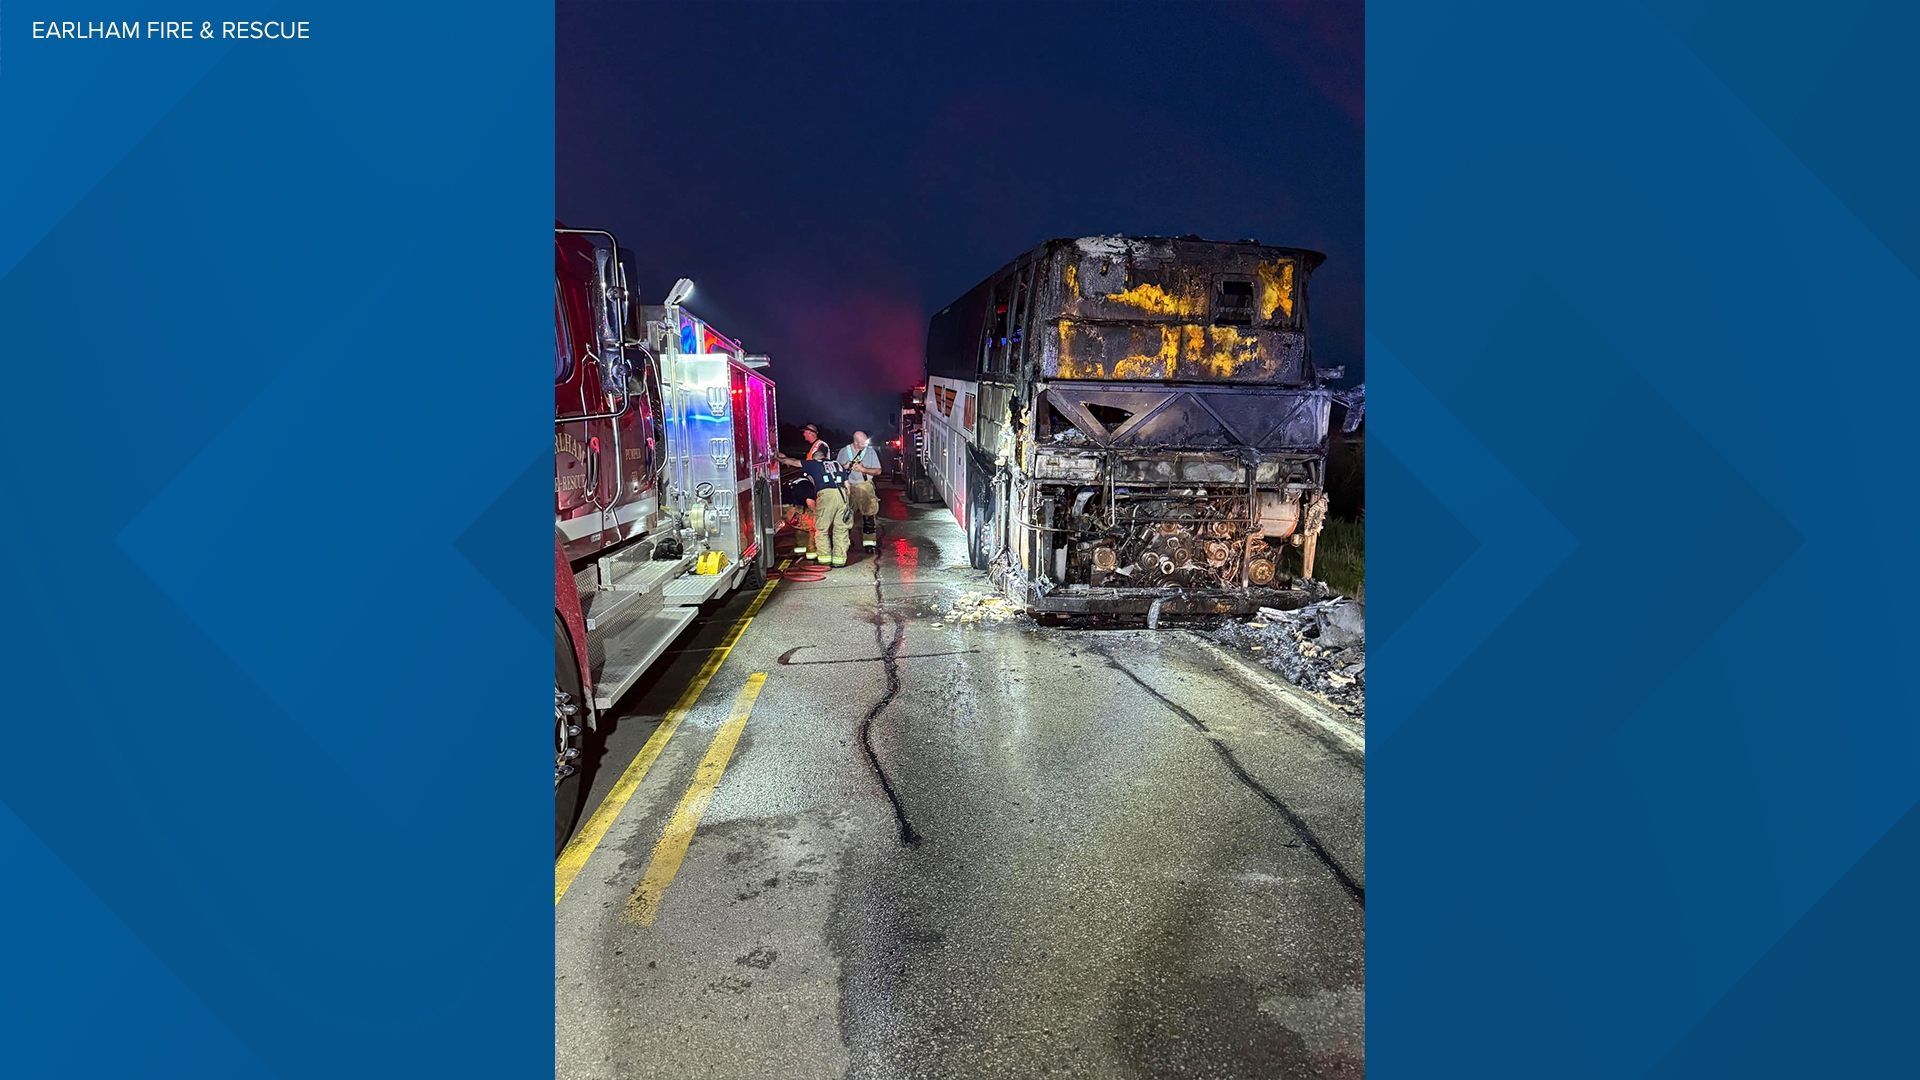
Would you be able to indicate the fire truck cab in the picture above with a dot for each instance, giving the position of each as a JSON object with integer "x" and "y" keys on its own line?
{"x": 666, "y": 488}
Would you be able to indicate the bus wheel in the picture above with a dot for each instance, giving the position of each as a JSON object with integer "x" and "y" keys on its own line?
{"x": 569, "y": 737}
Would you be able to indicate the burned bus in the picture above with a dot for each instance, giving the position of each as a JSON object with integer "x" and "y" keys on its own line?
{"x": 1131, "y": 425}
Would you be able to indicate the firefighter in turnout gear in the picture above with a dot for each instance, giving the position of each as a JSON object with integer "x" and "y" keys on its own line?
{"x": 809, "y": 537}
{"x": 832, "y": 515}
{"x": 797, "y": 505}
{"x": 862, "y": 464}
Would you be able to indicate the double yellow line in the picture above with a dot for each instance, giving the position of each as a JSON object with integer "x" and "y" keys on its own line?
{"x": 666, "y": 857}
{"x": 644, "y": 904}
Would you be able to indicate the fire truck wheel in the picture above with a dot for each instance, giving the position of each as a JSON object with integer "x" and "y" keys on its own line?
{"x": 569, "y": 735}
{"x": 756, "y": 575}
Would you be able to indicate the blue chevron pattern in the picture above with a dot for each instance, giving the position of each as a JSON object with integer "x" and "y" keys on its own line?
{"x": 235, "y": 283}
{"x": 1645, "y": 805}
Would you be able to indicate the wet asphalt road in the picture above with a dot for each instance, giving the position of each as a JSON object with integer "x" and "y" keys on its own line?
{"x": 972, "y": 850}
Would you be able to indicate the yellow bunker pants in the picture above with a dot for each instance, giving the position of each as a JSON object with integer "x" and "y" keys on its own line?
{"x": 833, "y": 520}
{"x": 866, "y": 505}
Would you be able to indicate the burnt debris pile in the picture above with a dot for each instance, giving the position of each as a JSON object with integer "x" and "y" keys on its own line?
{"x": 1321, "y": 647}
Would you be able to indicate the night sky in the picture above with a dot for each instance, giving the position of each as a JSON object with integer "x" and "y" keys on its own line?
{"x": 831, "y": 174}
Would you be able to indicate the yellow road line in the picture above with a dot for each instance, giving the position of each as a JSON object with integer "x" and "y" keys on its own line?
{"x": 573, "y": 858}
{"x": 644, "y": 904}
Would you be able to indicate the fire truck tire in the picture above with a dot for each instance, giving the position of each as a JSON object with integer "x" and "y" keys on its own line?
{"x": 756, "y": 578}
{"x": 570, "y": 789}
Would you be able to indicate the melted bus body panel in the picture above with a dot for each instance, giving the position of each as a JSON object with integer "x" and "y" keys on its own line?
{"x": 1129, "y": 424}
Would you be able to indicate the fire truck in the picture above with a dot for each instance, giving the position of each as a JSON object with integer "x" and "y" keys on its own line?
{"x": 665, "y": 484}
{"x": 908, "y": 446}
{"x": 1134, "y": 425}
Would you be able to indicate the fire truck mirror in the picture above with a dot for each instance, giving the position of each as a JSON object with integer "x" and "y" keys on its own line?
{"x": 614, "y": 370}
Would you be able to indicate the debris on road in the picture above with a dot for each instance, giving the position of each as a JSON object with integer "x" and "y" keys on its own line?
{"x": 971, "y": 607}
{"x": 1321, "y": 647}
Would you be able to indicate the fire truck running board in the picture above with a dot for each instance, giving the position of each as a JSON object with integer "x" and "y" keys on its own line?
{"x": 628, "y": 655}
{"x": 696, "y": 589}
{"x": 601, "y": 608}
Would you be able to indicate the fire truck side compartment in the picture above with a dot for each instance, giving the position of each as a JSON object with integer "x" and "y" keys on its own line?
{"x": 663, "y": 437}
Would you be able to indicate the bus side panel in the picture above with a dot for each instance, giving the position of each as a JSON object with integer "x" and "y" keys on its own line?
{"x": 948, "y": 405}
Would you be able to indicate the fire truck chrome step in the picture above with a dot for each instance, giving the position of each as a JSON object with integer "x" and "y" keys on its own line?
{"x": 694, "y": 589}
{"x": 604, "y": 607}
{"x": 646, "y": 577}
{"x": 631, "y": 653}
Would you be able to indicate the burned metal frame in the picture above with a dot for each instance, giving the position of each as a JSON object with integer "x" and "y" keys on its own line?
{"x": 1135, "y": 433}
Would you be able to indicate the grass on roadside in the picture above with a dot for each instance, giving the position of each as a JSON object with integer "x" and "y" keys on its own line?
{"x": 1340, "y": 560}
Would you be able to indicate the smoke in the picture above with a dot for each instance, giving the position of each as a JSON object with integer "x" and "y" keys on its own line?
{"x": 870, "y": 163}
{"x": 842, "y": 359}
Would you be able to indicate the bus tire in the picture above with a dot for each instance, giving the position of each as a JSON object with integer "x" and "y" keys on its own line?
{"x": 977, "y": 539}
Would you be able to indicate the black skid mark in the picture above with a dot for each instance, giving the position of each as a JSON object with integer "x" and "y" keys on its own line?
{"x": 785, "y": 657}
{"x": 1299, "y": 824}
{"x": 890, "y": 656}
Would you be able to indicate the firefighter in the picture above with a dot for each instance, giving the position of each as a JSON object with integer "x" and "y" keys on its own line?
{"x": 797, "y": 506}
{"x": 861, "y": 463}
{"x": 831, "y": 515}
{"x": 808, "y": 539}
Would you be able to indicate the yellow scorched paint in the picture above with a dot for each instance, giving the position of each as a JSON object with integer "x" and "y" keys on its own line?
{"x": 644, "y": 905}
{"x": 1074, "y": 369}
{"x": 1232, "y": 353}
{"x": 1152, "y": 298}
{"x": 1182, "y": 351}
{"x": 574, "y": 857}
{"x": 1139, "y": 367}
{"x": 1073, "y": 279}
{"x": 1071, "y": 366}
{"x": 1276, "y": 288}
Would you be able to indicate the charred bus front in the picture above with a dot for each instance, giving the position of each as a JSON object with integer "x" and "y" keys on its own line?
{"x": 1125, "y": 425}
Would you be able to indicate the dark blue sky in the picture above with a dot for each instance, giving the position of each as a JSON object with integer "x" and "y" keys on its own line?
{"x": 831, "y": 174}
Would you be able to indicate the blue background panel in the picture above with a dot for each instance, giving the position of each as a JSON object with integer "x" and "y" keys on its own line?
{"x": 1643, "y": 326}
{"x": 274, "y": 317}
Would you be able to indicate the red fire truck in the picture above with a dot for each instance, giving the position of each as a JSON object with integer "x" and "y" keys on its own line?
{"x": 665, "y": 484}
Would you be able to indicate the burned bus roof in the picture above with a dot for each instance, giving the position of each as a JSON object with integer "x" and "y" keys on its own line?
{"x": 1307, "y": 255}
{"x": 1120, "y": 308}
{"x": 1179, "y": 245}
{"x": 1310, "y": 259}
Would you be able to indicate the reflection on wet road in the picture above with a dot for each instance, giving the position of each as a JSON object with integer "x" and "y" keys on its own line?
{"x": 952, "y": 843}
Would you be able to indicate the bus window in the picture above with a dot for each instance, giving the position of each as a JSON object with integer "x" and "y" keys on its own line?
{"x": 995, "y": 359}
{"x": 1233, "y": 302}
{"x": 1022, "y": 293}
